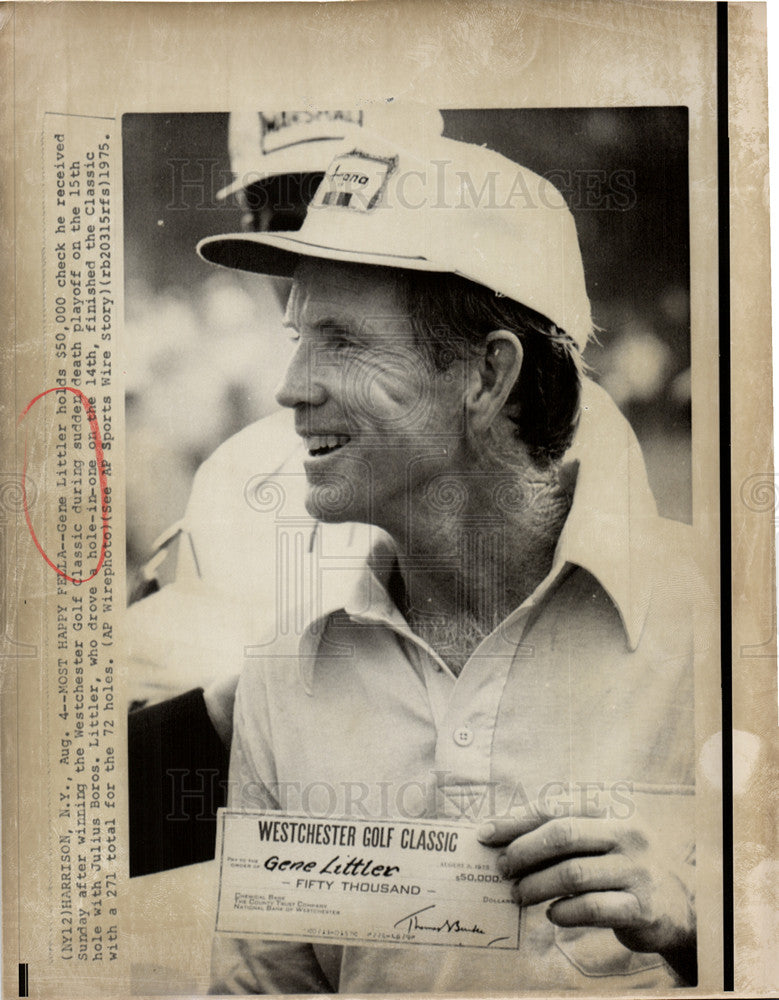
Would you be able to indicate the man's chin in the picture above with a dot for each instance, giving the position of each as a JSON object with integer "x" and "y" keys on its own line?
{"x": 332, "y": 500}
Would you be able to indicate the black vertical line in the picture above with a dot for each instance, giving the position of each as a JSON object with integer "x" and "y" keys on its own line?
{"x": 24, "y": 983}
{"x": 723, "y": 207}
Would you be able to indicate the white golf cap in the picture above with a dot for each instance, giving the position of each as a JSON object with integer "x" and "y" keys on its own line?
{"x": 434, "y": 205}
{"x": 266, "y": 144}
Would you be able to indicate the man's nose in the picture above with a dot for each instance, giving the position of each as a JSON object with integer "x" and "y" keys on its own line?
{"x": 300, "y": 383}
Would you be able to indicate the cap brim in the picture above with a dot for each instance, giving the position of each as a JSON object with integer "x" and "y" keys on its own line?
{"x": 278, "y": 255}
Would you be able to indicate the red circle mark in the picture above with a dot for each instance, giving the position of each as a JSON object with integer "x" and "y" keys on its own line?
{"x": 94, "y": 429}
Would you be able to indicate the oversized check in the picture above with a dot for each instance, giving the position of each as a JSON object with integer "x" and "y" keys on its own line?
{"x": 356, "y": 881}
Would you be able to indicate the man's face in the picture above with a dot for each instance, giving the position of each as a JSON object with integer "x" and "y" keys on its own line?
{"x": 378, "y": 422}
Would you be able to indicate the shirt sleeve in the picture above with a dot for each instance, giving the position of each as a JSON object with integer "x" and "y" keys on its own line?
{"x": 252, "y": 782}
{"x": 241, "y": 966}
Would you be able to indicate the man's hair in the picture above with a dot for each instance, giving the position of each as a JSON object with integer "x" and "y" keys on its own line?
{"x": 451, "y": 317}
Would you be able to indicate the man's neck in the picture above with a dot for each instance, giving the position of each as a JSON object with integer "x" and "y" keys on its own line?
{"x": 465, "y": 572}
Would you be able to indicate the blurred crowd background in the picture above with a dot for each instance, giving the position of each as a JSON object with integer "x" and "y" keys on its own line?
{"x": 204, "y": 347}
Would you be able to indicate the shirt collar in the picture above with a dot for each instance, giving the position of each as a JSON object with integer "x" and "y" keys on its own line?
{"x": 613, "y": 522}
{"x": 609, "y": 532}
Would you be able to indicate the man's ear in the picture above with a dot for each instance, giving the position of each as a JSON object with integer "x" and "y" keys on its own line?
{"x": 493, "y": 377}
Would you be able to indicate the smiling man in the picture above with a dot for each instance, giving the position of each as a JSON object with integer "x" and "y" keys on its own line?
{"x": 394, "y": 413}
{"x": 517, "y": 649}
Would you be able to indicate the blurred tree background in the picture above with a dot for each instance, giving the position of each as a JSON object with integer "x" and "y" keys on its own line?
{"x": 204, "y": 347}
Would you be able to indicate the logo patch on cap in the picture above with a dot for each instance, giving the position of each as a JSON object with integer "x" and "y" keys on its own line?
{"x": 289, "y": 128}
{"x": 354, "y": 180}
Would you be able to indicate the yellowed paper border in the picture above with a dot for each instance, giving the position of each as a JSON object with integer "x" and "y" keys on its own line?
{"x": 107, "y": 59}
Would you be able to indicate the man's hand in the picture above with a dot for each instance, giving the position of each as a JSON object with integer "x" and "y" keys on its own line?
{"x": 600, "y": 872}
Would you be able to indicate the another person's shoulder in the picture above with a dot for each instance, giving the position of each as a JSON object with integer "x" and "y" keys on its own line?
{"x": 261, "y": 450}
{"x": 240, "y": 495}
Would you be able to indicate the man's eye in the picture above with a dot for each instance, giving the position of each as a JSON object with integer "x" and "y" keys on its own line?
{"x": 339, "y": 341}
